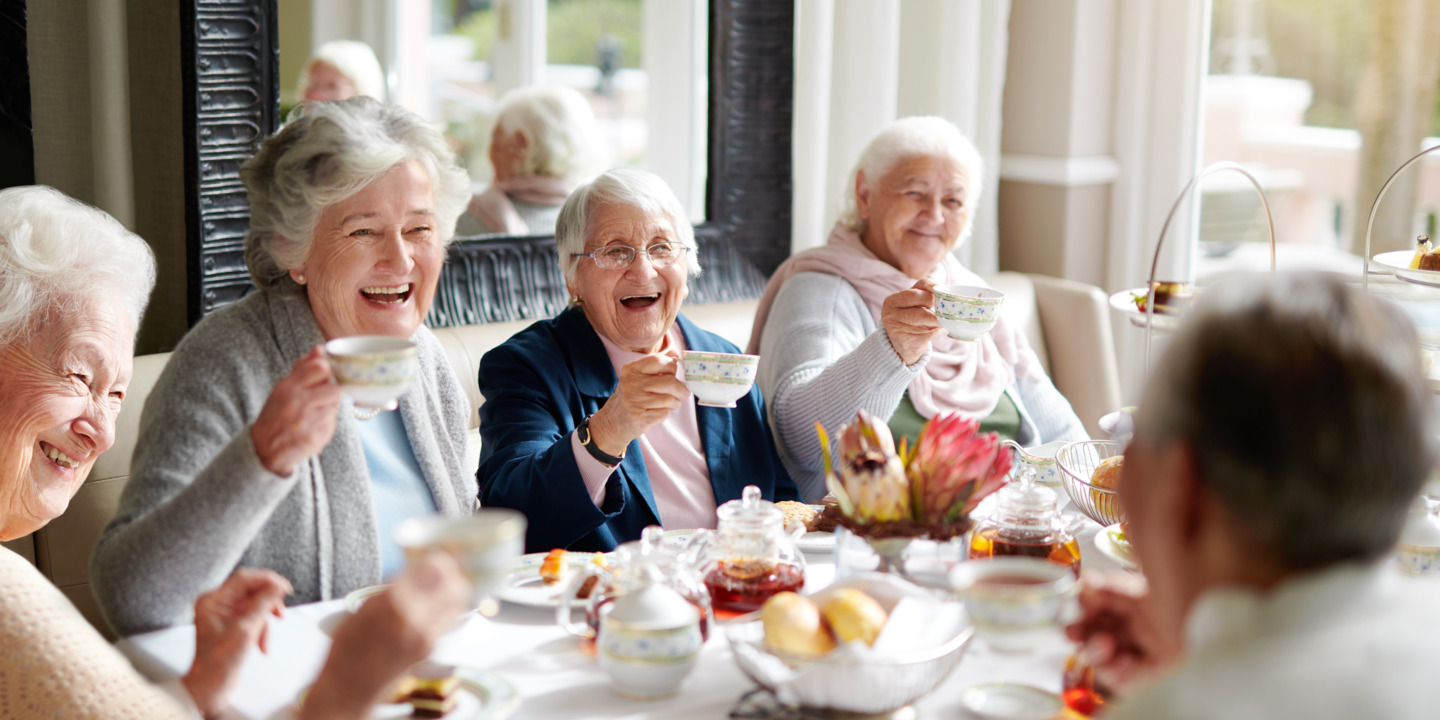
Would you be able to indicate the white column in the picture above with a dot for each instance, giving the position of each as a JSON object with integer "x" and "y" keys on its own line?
{"x": 110, "y": 110}
{"x": 518, "y": 57}
{"x": 810, "y": 134}
{"x": 675, "y": 36}
{"x": 863, "y": 89}
{"x": 408, "y": 69}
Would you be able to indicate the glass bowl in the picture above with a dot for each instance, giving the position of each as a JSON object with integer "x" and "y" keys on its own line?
{"x": 1078, "y": 460}
{"x": 844, "y": 681}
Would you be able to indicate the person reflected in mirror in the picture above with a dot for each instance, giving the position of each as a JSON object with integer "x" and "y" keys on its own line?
{"x": 249, "y": 453}
{"x": 340, "y": 70}
{"x": 73, "y": 286}
{"x": 1279, "y": 444}
{"x": 851, "y": 325}
{"x": 545, "y": 143}
{"x": 586, "y": 425}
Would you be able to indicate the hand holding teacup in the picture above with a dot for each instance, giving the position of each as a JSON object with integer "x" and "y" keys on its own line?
{"x": 648, "y": 391}
{"x": 909, "y": 320}
{"x": 298, "y": 418}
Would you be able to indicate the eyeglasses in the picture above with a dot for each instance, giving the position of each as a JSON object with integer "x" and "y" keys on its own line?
{"x": 614, "y": 257}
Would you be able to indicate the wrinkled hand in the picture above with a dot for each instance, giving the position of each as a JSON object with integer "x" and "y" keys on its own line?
{"x": 298, "y": 419}
{"x": 649, "y": 391}
{"x": 390, "y": 632}
{"x": 228, "y": 621}
{"x": 909, "y": 320}
{"x": 1117, "y": 632}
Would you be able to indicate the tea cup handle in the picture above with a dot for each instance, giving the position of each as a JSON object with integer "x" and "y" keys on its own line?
{"x": 1016, "y": 448}
{"x": 565, "y": 610}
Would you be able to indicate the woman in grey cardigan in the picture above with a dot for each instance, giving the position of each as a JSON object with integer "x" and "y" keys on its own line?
{"x": 850, "y": 325}
{"x": 248, "y": 452}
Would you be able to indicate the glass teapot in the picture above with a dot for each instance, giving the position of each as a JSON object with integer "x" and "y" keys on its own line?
{"x": 750, "y": 556}
{"x": 1026, "y": 522}
{"x": 633, "y": 565}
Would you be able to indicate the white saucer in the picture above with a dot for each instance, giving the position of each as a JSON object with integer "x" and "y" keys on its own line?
{"x": 1011, "y": 701}
{"x": 1107, "y": 541}
{"x": 1124, "y": 301}
{"x": 523, "y": 585}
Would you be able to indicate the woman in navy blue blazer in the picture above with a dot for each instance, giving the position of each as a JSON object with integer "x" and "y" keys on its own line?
{"x": 587, "y": 427}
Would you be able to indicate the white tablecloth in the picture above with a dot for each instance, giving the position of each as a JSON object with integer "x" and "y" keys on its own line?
{"x": 554, "y": 677}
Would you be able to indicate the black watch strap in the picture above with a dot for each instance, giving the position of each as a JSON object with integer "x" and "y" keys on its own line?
{"x": 582, "y": 433}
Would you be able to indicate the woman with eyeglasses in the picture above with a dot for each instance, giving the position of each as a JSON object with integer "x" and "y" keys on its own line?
{"x": 587, "y": 427}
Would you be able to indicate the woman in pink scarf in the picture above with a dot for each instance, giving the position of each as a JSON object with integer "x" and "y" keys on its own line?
{"x": 850, "y": 325}
{"x": 546, "y": 142}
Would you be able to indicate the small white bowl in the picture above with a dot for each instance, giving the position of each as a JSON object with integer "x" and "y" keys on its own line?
{"x": 719, "y": 379}
{"x": 374, "y": 370}
{"x": 967, "y": 311}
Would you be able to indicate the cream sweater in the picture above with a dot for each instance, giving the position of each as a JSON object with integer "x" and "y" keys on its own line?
{"x": 54, "y": 665}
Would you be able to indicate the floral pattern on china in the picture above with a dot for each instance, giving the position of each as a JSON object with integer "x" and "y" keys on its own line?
{"x": 720, "y": 367}
{"x": 969, "y": 309}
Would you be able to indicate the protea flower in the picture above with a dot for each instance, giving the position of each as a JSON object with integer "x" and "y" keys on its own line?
{"x": 871, "y": 485}
{"x": 953, "y": 468}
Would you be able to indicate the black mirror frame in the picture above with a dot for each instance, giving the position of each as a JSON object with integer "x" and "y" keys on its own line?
{"x": 230, "y": 53}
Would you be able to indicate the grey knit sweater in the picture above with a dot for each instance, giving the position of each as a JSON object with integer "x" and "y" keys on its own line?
{"x": 199, "y": 503}
{"x": 823, "y": 357}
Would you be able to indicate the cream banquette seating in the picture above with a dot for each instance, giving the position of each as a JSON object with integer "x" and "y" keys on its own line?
{"x": 1067, "y": 322}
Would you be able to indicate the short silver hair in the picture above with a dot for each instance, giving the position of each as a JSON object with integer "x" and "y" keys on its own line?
{"x": 622, "y": 186}
{"x": 918, "y": 136}
{"x": 354, "y": 60}
{"x": 1306, "y": 409}
{"x": 327, "y": 152}
{"x": 57, "y": 254}
{"x": 565, "y": 139}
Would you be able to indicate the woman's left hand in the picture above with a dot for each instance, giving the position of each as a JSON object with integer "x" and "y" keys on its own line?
{"x": 228, "y": 621}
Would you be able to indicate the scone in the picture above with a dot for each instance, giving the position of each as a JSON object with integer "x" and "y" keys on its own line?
{"x": 797, "y": 514}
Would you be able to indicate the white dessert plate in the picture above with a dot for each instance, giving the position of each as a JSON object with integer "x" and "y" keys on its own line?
{"x": 1398, "y": 262}
{"x": 523, "y": 585}
{"x": 1124, "y": 301}
{"x": 1108, "y": 541}
{"x": 1011, "y": 701}
{"x": 816, "y": 542}
{"x": 482, "y": 695}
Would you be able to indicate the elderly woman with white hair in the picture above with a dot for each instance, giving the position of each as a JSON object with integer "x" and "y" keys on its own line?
{"x": 248, "y": 452}
{"x": 588, "y": 429}
{"x": 850, "y": 325}
{"x": 73, "y": 285}
{"x": 545, "y": 142}
{"x": 340, "y": 70}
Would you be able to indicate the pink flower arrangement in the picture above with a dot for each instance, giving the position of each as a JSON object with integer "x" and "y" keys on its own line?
{"x": 928, "y": 491}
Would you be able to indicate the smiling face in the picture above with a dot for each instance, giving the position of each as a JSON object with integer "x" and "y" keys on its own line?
{"x": 507, "y": 153}
{"x": 326, "y": 82}
{"x": 376, "y": 258}
{"x": 915, "y": 212}
{"x": 59, "y": 396}
{"x": 632, "y": 306}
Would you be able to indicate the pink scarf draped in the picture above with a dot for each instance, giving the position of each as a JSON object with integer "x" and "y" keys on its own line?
{"x": 967, "y": 377}
{"x": 494, "y": 207}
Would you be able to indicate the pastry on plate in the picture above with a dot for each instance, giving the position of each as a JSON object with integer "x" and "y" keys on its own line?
{"x": 553, "y": 567}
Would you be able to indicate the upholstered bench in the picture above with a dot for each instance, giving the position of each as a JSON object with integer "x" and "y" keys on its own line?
{"x": 1067, "y": 322}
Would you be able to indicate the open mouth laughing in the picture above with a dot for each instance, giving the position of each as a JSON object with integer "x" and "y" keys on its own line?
{"x": 58, "y": 456}
{"x": 388, "y": 295}
{"x": 640, "y": 302}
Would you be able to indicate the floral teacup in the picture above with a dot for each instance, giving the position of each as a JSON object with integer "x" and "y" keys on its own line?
{"x": 719, "y": 379}
{"x": 967, "y": 312}
{"x": 1041, "y": 460}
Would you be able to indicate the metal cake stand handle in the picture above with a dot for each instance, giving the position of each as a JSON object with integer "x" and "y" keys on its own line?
{"x": 1212, "y": 169}
{"x": 1370, "y": 223}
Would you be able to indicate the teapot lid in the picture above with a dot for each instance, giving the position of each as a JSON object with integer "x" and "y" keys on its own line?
{"x": 750, "y": 508}
{"x": 654, "y": 606}
{"x": 1024, "y": 496}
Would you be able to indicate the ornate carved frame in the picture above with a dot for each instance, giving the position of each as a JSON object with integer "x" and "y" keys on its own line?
{"x": 231, "y": 58}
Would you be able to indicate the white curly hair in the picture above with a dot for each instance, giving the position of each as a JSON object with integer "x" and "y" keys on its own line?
{"x": 921, "y": 135}
{"x": 622, "y": 186}
{"x": 57, "y": 254}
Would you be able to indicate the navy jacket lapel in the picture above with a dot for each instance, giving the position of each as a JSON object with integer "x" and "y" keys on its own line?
{"x": 595, "y": 378}
{"x": 715, "y": 424}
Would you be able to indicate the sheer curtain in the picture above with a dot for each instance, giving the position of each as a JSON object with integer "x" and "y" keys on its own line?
{"x": 860, "y": 64}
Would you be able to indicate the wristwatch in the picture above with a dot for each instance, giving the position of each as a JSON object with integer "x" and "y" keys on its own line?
{"x": 582, "y": 433}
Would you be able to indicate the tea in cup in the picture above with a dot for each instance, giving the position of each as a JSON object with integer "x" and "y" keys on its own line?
{"x": 486, "y": 544}
{"x": 1039, "y": 459}
{"x": 1014, "y": 602}
{"x": 718, "y": 379}
{"x": 374, "y": 370}
{"x": 967, "y": 311}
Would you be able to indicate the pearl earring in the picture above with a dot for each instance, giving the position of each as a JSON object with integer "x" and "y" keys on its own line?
{"x": 300, "y": 278}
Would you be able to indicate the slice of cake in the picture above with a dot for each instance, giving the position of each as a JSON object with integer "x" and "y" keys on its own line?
{"x": 434, "y": 689}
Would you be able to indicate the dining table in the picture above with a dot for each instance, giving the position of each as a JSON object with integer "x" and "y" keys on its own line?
{"x": 554, "y": 676}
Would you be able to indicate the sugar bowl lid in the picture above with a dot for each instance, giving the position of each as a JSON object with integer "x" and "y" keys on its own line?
{"x": 750, "y": 508}
{"x": 654, "y": 606}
